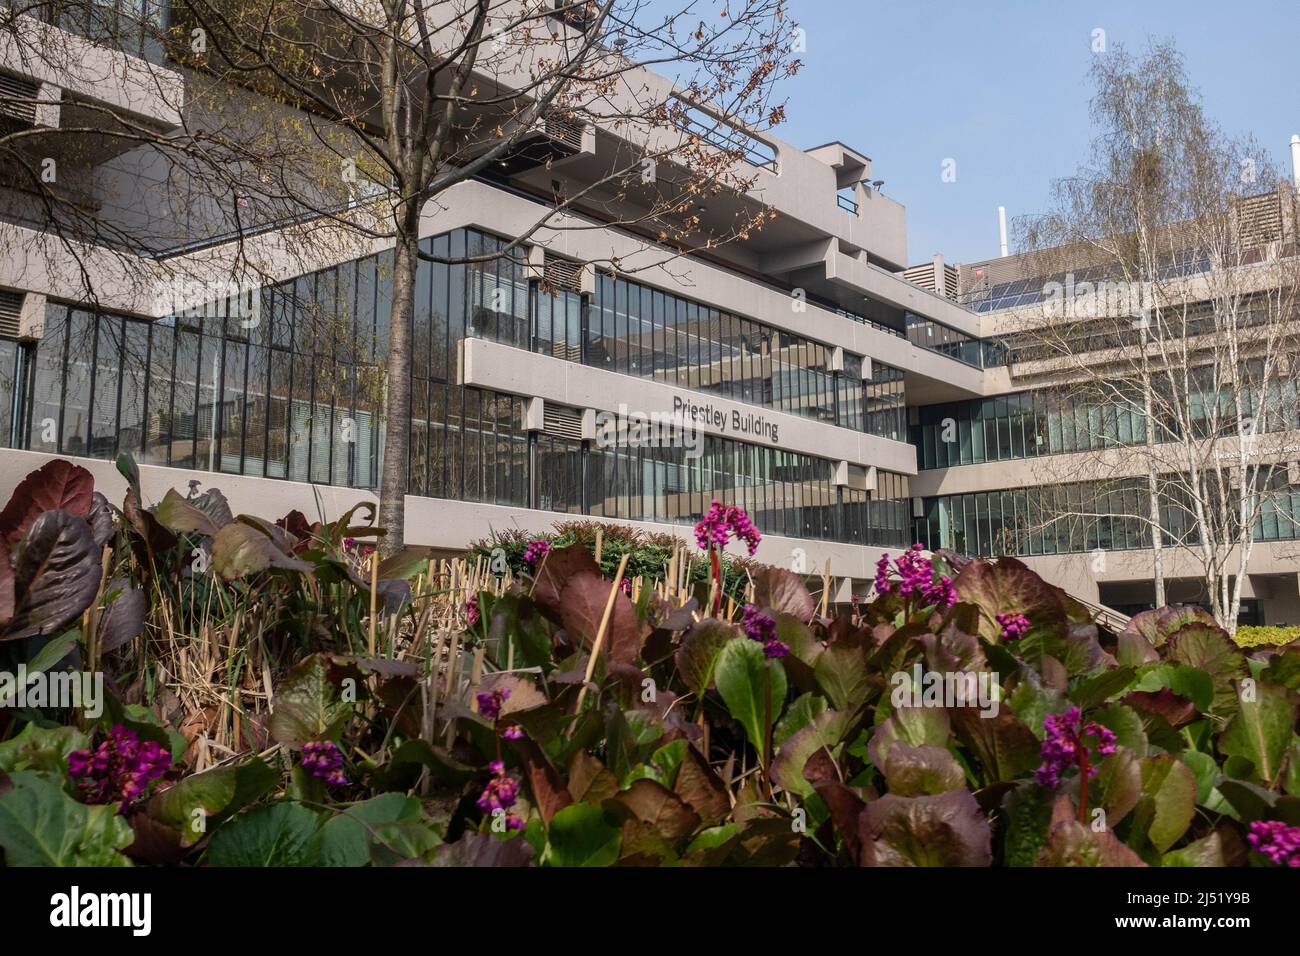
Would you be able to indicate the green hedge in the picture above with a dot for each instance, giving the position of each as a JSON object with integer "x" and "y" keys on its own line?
{"x": 1251, "y": 636}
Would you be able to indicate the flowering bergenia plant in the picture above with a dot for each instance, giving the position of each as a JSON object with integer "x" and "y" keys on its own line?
{"x": 537, "y": 549}
{"x": 500, "y": 795}
{"x": 715, "y": 530}
{"x": 1276, "y": 841}
{"x": 120, "y": 770}
{"x": 762, "y": 628}
{"x": 323, "y": 760}
{"x": 1013, "y": 626}
{"x": 1065, "y": 745}
{"x": 913, "y": 577}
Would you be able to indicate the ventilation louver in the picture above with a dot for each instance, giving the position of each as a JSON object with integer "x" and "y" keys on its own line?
{"x": 562, "y": 422}
{"x": 563, "y": 274}
{"x": 11, "y": 307}
{"x": 18, "y": 98}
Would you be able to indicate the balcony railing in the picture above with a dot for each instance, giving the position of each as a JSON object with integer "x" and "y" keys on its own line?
{"x": 847, "y": 203}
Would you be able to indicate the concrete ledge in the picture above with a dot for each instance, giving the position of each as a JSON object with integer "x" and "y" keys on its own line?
{"x": 504, "y": 368}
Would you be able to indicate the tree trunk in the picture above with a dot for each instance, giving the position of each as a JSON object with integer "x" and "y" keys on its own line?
{"x": 1153, "y": 492}
{"x": 394, "y": 476}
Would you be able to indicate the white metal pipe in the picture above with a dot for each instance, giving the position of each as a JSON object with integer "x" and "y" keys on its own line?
{"x": 1002, "y": 224}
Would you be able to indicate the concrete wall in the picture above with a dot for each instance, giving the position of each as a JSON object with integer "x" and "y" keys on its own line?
{"x": 432, "y": 522}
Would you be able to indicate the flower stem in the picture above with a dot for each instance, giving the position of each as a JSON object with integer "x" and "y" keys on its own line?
{"x": 716, "y": 566}
{"x": 1085, "y": 768}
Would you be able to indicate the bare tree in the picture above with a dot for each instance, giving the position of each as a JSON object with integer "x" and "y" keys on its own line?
{"x": 397, "y": 101}
{"x": 1169, "y": 307}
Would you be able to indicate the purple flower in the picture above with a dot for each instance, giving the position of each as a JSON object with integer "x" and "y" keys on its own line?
{"x": 1013, "y": 626}
{"x": 471, "y": 610}
{"x": 757, "y": 625}
{"x": 1277, "y": 841}
{"x": 762, "y": 628}
{"x": 120, "y": 770}
{"x": 489, "y": 703}
{"x": 323, "y": 759}
{"x": 1064, "y": 745}
{"x": 721, "y": 524}
{"x": 513, "y": 732}
{"x": 501, "y": 794}
{"x": 775, "y": 649}
{"x": 627, "y": 586}
{"x": 537, "y": 549}
{"x": 916, "y": 578}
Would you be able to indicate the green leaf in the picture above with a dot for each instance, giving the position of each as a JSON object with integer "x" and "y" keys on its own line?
{"x": 697, "y": 657}
{"x": 825, "y": 731}
{"x": 347, "y": 837}
{"x": 745, "y": 677}
{"x": 1009, "y": 587}
{"x": 239, "y": 550}
{"x": 307, "y": 704}
{"x": 945, "y": 830}
{"x": 1207, "y": 851}
{"x": 1118, "y": 784}
{"x": 1091, "y": 691}
{"x": 1029, "y": 810}
{"x": 275, "y": 834}
{"x": 841, "y": 671}
{"x": 1261, "y": 730}
{"x": 40, "y": 825}
{"x": 918, "y": 771}
{"x": 202, "y": 800}
{"x": 1209, "y": 648}
{"x": 41, "y": 748}
{"x": 913, "y": 726}
{"x": 582, "y": 835}
{"x": 1190, "y": 682}
{"x": 797, "y": 716}
{"x": 1127, "y": 726}
{"x": 1170, "y": 786}
{"x": 177, "y": 514}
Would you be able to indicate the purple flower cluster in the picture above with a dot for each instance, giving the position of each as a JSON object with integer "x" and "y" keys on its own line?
{"x": 916, "y": 577}
{"x": 513, "y": 732}
{"x": 489, "y": 704}
{"x": 501, "y": 793}
{"x": 762, "y": 628}
{"x": 627, "y": 586}
{"x": 1064, "y": 745}
{"x": 536, "y": 550}
{"x": 1013, "y": 626}
{"x": 721, "y": 524}
{"x": 471, "y": 610}
{"x": 119, "y": 770}
{"x": 323, "y": 759}
{"x": 1277, "y": 841}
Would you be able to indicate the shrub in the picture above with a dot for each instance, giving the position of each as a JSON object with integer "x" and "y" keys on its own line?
{"x": 1254, "y": 636}
{"x": 970, "y": 715}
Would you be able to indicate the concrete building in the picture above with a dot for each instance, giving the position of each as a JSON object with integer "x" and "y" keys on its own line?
{"x": 805, "y": 367}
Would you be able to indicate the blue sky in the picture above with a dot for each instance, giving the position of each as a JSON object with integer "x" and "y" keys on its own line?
{"x": 1001, "y": 87}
